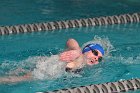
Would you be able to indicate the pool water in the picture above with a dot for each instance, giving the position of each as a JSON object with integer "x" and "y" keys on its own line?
{"x": 38, "y": 51}
{"x": 30, "y": 11}
{"x": 30, "y": 50}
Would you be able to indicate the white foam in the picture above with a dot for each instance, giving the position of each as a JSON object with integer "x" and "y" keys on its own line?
{"x": 48, "y": 68}
{"x": 42, "y": 67}
{"x": 131, "y": 60}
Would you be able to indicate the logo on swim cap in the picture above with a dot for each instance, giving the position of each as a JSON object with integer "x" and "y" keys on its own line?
{"x": 93, "y": 47}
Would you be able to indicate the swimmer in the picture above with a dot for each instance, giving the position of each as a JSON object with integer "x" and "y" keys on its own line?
{"x": 74, "y": 56}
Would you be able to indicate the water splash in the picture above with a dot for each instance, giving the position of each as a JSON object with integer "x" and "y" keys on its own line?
{"x": 48, "y": 68}
{"x": 41, "y": 67}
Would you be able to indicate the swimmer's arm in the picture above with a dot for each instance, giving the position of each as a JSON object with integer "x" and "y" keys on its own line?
{"x": 14, "y": 79}
{"x": 77, "y": 63}
{"x": 70, "y": 55}
{"x": 72, "y": 44}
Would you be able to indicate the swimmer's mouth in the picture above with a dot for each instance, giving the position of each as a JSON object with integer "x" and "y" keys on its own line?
{"x": 92, "y": 61}
{"x": 71, "y": 70}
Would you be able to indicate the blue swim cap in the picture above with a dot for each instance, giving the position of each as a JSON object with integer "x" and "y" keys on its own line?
{"x": 93, "y": 47}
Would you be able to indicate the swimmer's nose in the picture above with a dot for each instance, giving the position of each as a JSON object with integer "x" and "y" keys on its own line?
{"x": 68, "y": 69}
{"x": 96, "y": 59}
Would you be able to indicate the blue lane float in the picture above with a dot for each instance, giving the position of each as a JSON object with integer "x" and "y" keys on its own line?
{"x": 48, "y": 26}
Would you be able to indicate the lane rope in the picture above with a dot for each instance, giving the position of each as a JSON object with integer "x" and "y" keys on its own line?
{"x": 111, "y": 87}
{"x": 46, "y": 26}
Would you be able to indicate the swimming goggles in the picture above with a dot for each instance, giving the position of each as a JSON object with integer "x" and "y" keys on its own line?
{"x": 93, "y": 47}
{"x": 95, "y": 52}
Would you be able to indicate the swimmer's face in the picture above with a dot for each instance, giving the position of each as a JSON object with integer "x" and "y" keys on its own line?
{"x": 93, "y": 57}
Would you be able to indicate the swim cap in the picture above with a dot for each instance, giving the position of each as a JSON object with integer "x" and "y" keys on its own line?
{"x": 93, "y": 47}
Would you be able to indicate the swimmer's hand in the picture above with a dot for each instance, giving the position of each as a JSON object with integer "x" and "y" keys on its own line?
{"x": 70, "y": 55}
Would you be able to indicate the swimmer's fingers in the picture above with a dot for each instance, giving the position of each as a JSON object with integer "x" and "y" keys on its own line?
{"x": 73, "y": 54}
{"x": 64, "y": 58}
{"x": 69, "y": 55}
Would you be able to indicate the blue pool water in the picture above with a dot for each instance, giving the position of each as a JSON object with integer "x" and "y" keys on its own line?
{"x": 38, "y": 51}
{"x": 29, "y": 50}
{"x": 30, "y": 11}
